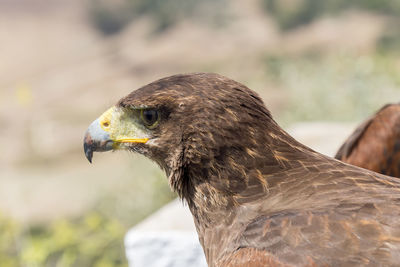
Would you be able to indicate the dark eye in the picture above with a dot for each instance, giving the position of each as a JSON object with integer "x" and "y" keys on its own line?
{"x": 149, "y": 117}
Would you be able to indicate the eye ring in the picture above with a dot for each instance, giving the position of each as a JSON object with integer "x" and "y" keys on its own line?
{"x": 150, "y": 117}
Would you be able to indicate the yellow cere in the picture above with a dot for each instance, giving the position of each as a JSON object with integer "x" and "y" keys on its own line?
{"x": 122, "y": 126}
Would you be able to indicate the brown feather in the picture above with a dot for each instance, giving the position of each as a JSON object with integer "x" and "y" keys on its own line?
{"x": 375, "y": 144}
{"x": 250, "y": 257}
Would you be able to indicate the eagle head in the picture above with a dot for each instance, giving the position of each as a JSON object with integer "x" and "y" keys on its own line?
{"x": 192, "y": 125}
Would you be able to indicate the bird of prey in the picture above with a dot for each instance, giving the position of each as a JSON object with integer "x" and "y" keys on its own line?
{"x": 375, "y": 144}
{"x": 258, "y": 197}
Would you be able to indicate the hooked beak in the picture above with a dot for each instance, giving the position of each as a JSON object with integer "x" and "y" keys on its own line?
{"x": 96, "y": 139}
{"x": 114, "y": 129}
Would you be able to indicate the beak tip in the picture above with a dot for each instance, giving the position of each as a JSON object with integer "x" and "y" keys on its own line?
{"x": 88, "y": 153}
{"x": 88, "y": 149}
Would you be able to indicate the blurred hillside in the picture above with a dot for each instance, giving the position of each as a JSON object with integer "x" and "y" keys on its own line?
{"x": 65, "y": 62}
{"x": 61, "y": 69}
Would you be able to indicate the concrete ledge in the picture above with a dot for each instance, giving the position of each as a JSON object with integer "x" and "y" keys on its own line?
{"x": 167, "y": 238}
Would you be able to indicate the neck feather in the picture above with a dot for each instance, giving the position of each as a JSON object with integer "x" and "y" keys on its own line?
{"x": 237, "y": 174}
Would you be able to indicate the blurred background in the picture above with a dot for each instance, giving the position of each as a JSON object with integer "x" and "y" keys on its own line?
{"x": 62, "y": 63}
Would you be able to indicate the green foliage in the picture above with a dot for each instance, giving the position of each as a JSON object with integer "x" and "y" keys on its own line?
{"x": 292, "y": 13}
{"x": 111, "y": 17}
{"x": 338, "y": 87}
{"x": 390, "y": 39}
{"x": 165, "y": 12}
{"x": 93, "y": 240}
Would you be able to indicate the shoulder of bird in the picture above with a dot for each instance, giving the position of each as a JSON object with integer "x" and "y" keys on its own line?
{"x": 375, "y": 144}
{"x": 345, "y": 217}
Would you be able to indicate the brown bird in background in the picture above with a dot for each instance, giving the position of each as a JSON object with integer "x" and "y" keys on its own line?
{"x": 258, "y": 197}
{"x": 375, "y": 144}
